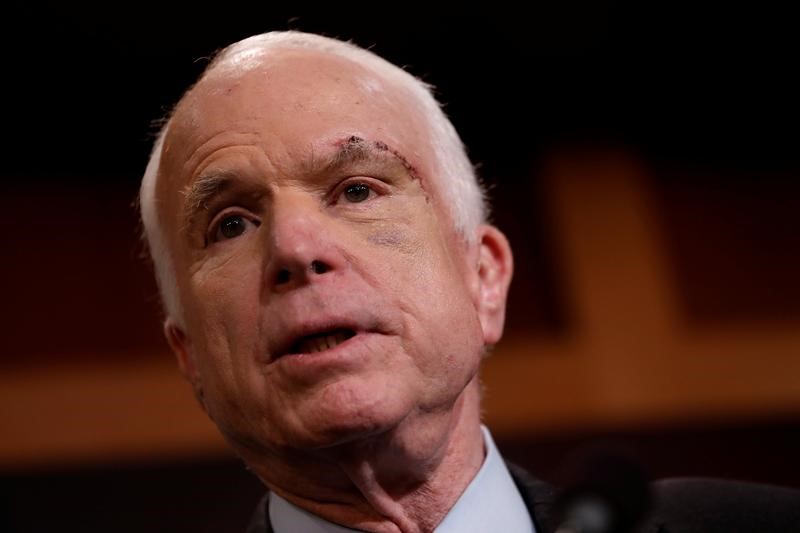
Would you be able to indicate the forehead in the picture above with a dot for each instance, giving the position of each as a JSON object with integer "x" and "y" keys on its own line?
{"x": 300, "y": 100}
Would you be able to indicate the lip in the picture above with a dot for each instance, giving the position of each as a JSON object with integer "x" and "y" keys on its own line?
{"x": 288, "y": 339}
{"x": 343, "y": 346}
{"x": 346, "y": 359}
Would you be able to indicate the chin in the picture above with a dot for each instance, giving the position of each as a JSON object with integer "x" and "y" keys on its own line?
{"x": 348, "y": 412}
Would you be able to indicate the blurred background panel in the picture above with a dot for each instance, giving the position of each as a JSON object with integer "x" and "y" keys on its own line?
{"x": 643, "y": 162}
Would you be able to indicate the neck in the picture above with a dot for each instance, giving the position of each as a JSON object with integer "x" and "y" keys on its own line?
{"x": 405, "y": 479}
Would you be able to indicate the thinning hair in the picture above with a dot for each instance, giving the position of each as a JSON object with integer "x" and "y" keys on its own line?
{"x": 463, "y": 196}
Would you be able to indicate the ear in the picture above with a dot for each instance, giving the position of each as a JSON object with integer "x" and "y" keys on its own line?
{"x": 495, "y": 267}
{"x": 181, "y": 346}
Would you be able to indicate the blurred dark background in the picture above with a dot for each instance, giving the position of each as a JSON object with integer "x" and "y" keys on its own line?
{"x": 643, "y": 161}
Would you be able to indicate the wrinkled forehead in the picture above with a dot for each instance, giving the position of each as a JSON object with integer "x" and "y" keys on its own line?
{"x": 288, "y": 88}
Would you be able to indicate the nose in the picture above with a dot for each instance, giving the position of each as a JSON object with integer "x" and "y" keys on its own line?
{"x": 302, "y": 246}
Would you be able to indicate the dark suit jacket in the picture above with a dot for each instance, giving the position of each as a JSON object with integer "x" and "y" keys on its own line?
{"x": 678, "y": 506}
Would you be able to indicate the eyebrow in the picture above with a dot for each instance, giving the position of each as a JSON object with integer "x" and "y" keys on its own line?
{"x": 351, "y": 151}
{"x": 200, "y": 192}
{"x": 203, "y": 188}
{"x": 207, "y": 187}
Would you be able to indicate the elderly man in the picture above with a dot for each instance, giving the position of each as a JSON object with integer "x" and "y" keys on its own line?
{"x": 331, "y": 287}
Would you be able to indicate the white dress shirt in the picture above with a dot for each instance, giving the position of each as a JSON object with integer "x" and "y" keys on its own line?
{"x": 491, "y": 502}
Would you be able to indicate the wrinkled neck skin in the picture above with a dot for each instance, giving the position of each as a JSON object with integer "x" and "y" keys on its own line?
{"x": 405, "y": 479}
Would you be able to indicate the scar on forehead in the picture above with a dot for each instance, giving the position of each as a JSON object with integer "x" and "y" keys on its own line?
{"x": 354, "y": 147}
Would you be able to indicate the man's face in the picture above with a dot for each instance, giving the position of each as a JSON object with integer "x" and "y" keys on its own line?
{"x": 326, "y": 296}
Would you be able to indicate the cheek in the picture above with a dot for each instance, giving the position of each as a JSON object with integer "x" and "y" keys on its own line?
{"x": 427, "y": 276}
{"x": 415, "y": 257}
{"x": 389, "y": 256}
{"x": 226, "y": 311}
{"x": 228, "y": 286}
{"x": 229, "y": 338}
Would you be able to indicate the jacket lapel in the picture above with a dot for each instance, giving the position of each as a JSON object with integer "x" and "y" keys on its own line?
{"x": 537, "y": 495}
{"x": 259, "y": 522}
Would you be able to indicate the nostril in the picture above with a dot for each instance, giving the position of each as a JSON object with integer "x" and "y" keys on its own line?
{"x": 285, "y": 275}
{"x": 282, "y": 277}
{"x": 318, "y": 267}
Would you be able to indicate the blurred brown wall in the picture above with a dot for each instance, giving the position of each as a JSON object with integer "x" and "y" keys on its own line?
{"x": 642, "y": 298}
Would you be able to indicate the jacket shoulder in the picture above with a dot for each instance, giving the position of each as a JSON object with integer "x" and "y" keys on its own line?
{"x": 700, "y": 505}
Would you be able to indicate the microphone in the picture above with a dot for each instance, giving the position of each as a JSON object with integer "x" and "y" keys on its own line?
{"x": 608, "y": 493}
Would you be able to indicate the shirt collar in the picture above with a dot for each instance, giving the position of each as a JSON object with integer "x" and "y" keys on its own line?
{"x": 491, "y": 502}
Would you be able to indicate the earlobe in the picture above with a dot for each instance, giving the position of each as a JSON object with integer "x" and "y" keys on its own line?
{"x": 181, "y": 346}
{"x": 495, "y": 268}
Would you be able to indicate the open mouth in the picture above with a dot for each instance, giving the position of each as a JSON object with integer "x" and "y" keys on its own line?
{"x": 322, "y": 341}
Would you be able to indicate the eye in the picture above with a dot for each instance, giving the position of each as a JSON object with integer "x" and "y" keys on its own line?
{"x": 357, "y": 192}
{"x": 232, "y": 226}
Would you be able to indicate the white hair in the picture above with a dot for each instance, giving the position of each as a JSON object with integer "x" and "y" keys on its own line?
{"x": 463, "y": 194}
